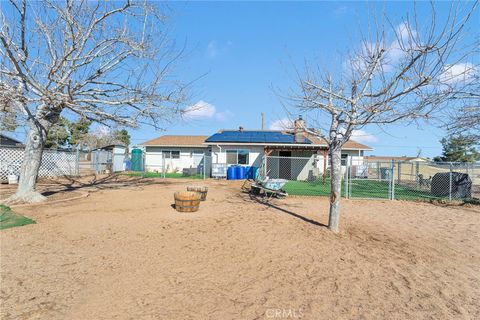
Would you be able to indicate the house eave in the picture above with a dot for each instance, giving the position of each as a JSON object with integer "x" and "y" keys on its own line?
{"x": 174, "y": 145}
{"x": 308, "y": 145}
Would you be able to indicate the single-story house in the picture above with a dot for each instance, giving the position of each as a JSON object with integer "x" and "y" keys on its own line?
{"x": 290, "y": 154}
{"x": 174, "y": 153}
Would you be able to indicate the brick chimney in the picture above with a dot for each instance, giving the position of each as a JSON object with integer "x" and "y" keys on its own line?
{"x": 299, "y": 129}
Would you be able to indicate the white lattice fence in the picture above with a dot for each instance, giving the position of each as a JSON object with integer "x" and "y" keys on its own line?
{"x": 54, "y": 163}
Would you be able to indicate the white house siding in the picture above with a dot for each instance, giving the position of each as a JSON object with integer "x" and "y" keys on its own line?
{"x": 304, "y": 165}
{"x": 188, "y": 159}
{"x": 219, "y": 154}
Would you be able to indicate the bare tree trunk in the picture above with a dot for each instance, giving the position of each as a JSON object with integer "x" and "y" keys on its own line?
{"x": 30, "y": 166}
{"x": 336, "y": 185}
{"x": 32, "y": 159}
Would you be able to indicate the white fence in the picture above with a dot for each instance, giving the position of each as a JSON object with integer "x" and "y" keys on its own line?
{"x": 54, "y": 163}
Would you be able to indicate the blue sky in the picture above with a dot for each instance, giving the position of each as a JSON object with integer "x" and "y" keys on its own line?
{"x": 246, "y": 49}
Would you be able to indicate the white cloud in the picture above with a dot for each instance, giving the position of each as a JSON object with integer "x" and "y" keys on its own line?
{"x": 404, "y": 31}
{"x": 224, "y": 115}
{"x": 204, "y": 110}
{"x": 215, "y": 49}
{"x": 363, "y": 136}
{"x": 395, "y": 51}
{"x": 200, "y": 110}
{"x": 460, "y": 72}
{"x": 281, "y": 124}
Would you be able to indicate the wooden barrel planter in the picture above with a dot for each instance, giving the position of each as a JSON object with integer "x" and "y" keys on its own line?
{"x": 201, "y": 190}
{"x": 187, "y": 201}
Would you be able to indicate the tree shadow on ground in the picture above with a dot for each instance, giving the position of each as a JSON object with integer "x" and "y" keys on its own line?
{"x": 113, "y": 181}
{"x": 268, "y": 204}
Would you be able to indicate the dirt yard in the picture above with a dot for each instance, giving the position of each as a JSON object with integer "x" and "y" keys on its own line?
{"x": 124, "y": 253}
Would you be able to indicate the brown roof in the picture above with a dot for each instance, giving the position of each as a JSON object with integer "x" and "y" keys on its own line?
{"x": 190, "y": 141}
{"x": 197, "y": 141}
{"x": 350, "y": 144}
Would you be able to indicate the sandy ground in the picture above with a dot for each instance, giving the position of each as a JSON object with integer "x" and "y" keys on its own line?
{"x": 125, "y": 253}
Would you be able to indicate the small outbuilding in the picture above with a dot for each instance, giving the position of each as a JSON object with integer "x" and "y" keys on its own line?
{"x": 110, "y": 157}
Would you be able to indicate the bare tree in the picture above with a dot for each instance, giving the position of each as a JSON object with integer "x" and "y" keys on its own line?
{"x": 106, "y": 61}
{"x": 402, "y": 72}
{"x": 465, "y": 119}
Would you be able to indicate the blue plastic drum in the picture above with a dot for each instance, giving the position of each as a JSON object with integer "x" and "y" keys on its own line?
{"x": 248, "y": 172}
{"x": 231, "y": 173}
{"x": 240, "y": 172}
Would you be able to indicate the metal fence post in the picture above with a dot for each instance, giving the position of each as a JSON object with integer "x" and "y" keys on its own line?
{"x": 392, "y": 181}
{"x": 204, "y": 166}
{"x": 347, "y": 173}
{"x": 450, "y": 184}
{"x": 143, "y": 163}
{"x": 163, "y": 165}
{"x": 265, "y": 161}
{"x": 78, "y": 162}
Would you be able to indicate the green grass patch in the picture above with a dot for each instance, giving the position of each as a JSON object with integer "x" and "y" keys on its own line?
{"x": 8, "y": 219}
{"x": 308, "y": 188}
{"x": 359, "y": 189}
{"x": 380, "y": 190}
{"x": 160, "y": 175}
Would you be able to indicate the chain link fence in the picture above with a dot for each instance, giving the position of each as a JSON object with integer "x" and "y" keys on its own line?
{"x": 54, "y": 162}
{"x": 307, "y": 176}
{"x": 195, "y": 166}
{"x": 416, "y": 180}
{"x": 387, "y": 180}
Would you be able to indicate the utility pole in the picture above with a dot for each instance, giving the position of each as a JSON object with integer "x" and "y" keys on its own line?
{"x": 262, "y": 120}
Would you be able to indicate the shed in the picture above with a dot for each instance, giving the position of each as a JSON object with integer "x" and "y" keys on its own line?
{"x": 113, "y": 154}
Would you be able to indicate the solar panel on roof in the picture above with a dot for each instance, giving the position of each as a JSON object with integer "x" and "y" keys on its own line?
{"x": 254, "y": 137}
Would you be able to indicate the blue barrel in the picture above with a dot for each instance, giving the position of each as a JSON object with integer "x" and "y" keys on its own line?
{"x": 240, "y": 172}
{"x": 248, "y": 172}
{"x": 231, "y": 173}
{"x": 127, "y": 164}
{"x": 254, "y": 172}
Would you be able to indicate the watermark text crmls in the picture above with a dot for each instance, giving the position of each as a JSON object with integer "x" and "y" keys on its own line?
{"x": 284, "y": 313}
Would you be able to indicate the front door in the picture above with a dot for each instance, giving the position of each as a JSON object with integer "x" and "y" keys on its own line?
{"x": 285, "y": 165}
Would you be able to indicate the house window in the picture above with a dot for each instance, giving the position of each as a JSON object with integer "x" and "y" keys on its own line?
{"x": 243, "y": 156}
{"x": 167, "y": 154}
{"x": 237, "y": 156}
{"x": 197, "y": 153}
{"x": 231, "y": 156}
{"x": 344, "y": 159}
